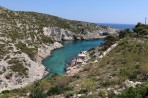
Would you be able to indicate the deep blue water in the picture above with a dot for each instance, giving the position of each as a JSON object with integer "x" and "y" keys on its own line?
{"x": 119, "y": 26}
{"x": 59, "y": 58}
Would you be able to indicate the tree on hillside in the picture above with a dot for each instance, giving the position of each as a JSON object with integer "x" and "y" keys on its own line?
{"x": 111, "y": 38}
{"x": 141, "y": 29}
{"x": 37, "y": 91}
{"x": 124, "y": 33}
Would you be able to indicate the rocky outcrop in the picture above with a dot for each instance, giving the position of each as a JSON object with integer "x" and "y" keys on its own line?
{"x": 98, "y": 33}
{"x": 107, "y": 51}
{"x": 77, "y": 63}
{"x": 35, "y": 70}
{"x": 11, "y": 80}
{"x": 129, "y": 83}
{"x": 60, "y": 34}
{"x": 45, "y": 51}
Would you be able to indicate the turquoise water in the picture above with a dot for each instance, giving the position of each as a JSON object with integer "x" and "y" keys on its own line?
{"x": 59, "y": 58}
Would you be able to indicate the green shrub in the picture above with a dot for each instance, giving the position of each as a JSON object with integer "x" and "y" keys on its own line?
{"x": 46, "y": 39}
{"x": 101, "y": 94}
{"x": 141, "y": 29}
{"x": 5, "y": 91}
{"x": 124, "y": 33}
{"x": 111, "y": 94}
{"x": 88, "y": 84}
{"x": 54, "y": 91}
{"x": 37, "y": 91}
{"x": 76, "y": 76}
{"x": 58, "y": 90}
{"x": 82, "y": 91}
{"x": 69, "y": 95}
{"x": 107, "y": 83}
{"x": 60, "y": 85}
{"x": 4, "y": 95}
{"x": 139, "y": 92}
{"x": 111, "y": 38}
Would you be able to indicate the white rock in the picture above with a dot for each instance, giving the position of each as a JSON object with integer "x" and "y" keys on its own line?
{"x": 131, "y": 83}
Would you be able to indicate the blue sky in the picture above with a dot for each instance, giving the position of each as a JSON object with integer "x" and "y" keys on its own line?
{"x": 98, "y": 11}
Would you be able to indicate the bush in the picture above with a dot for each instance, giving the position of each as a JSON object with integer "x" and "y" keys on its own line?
{"x": 4, "y": 95}
{"x": 76, "y": 76}
{"x": 141, "y": 29}
{"x": 54, "y": 91}
{"x": 139, "y": 92}
{"x": 46, "y": 39}
{"x": 58, "y": 90}
{"x": 5, "y": 91}
{"x": 111, "y": 38}
{"x": 88, "y": 83}
{"x": 101, "y": 94}
{"x": 37, "y": 91}
{"x": 111, "y": 94}
{"x": 82, "y": 91}
{"x": 69, "y": 95}
{"x": 107, "y": 83}
{"x": 124, "y": 33}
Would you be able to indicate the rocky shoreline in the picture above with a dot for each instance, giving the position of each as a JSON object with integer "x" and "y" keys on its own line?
{"x": 79, "y": 62}
{"x": 45, "y": 51}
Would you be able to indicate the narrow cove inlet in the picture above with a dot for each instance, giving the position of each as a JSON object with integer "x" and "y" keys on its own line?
{"x": 59, "y": 58}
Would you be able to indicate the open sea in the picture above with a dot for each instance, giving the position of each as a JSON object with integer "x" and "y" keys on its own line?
{"x": 119, "y": 26}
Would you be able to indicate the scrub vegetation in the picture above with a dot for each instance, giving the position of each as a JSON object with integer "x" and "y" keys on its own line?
{"x": 127, "y": 61}
{"x": 22, "y": 36}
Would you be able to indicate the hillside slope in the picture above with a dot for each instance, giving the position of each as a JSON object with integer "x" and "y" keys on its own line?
{"x": 26, "y": 38}
{"x": 121, "y": 73}
{"x": 117, "y": 69}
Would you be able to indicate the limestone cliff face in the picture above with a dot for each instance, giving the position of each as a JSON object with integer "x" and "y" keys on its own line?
{"x": 34, "y": 70}
{"x": 97, "y": 33}
{"x": 20, "y": 73}
{"x": 60, "y": 34}
{"x": 45, "y": 50}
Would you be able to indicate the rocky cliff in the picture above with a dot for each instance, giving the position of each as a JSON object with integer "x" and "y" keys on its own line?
{"x": 26, "y": 38}
{"x": 60, "y": 34}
